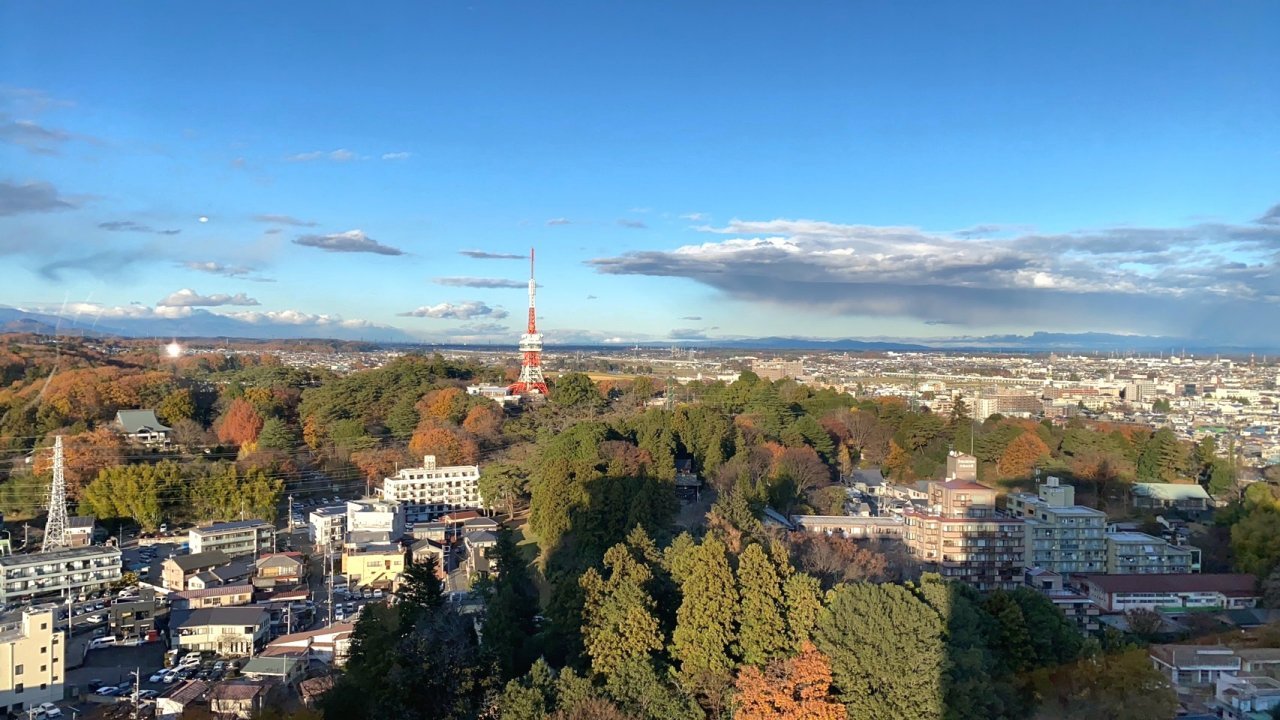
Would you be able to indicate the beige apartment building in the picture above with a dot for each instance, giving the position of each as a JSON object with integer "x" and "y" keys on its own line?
{"x": 32, "y": 661}
{"x": 961, "y": 536}
{"x": 376, "y": 565}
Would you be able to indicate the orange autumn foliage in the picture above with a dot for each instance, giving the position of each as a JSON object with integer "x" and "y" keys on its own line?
{"x": 449, "y": 446}
{"x": 240, "y": 424}
{"x": 797, "y": 688}
{"x": 1020, "y": 457}
{"x": 484, "y": 421}
{"x": 85, "y": 455}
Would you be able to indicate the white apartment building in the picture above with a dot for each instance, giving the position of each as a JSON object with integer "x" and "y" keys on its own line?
{"x": 32, "y": 661}
{"x": 75, "y": 570}
{"x": 327, "y": 527}
{"x": 376, "y": 515}
{"x": 428, "y": 492}
{"x": 242, "y": 537}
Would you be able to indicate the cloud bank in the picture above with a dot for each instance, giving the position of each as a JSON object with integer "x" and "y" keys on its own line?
{"x": 187, "y": 297}
{"x": 1211, "y": 280}
{"x": 480, "y": 282}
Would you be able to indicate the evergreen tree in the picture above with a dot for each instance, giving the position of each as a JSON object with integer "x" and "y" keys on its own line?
{"x": 803, "y": 596}
{"x": 886, "y": 650}
{"x": 276, "y": 434}
{"x": 704, "y": 630}
{"x": 511, "y": 602}
{"x": 618, "y": 612}
{"x": 761, "y": 630}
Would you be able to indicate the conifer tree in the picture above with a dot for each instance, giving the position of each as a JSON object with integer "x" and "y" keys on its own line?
{"x": 761, "y": 630}
{"x": 704, "y": 630}
{"x": 618, "y": 612}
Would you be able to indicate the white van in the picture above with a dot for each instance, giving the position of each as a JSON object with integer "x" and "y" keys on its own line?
{"x": 102, "y": 642}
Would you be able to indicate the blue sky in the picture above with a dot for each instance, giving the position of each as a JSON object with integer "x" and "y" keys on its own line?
{"x": 812, "y": 169}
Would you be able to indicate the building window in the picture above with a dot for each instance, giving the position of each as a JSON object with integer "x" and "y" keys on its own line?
{"x": 17, "y": 689}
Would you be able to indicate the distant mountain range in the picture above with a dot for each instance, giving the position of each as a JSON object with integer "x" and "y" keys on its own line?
{"x": 204, "y": 324}
{"x": 200, "y": 324}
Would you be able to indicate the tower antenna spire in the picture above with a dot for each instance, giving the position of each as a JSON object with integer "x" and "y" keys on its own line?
{"x": 55, "y": 528}
{"x": 531, "y": 381}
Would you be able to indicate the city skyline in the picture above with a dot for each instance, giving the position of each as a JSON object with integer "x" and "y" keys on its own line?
{"x": 685, "y": 173}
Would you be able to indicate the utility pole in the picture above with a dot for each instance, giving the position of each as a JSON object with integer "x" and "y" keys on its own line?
{"x": 137, "y": 681}
{"x": 328, "y": 561}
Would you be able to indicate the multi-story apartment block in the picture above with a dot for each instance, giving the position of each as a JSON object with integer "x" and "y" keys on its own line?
{"x": 327, "y": 527}
{"x": 74, "y": 570}
{"x": 961, "y": 536}
{"x": 32, "y": 661}
{"x": 430, "y": 491}
{"x": 1135, "y": 553}
{"x": 1062, "y": 537}
{"x": 243, "y": 537}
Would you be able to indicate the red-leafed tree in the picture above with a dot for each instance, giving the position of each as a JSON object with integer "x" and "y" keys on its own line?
{"x": 240, "y": 424}
{"x": 797, "y": 688}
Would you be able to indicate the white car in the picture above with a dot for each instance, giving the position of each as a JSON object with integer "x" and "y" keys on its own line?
{"x": 50, "y": 710}
{"x": 102, "y": 642}
{"x": 170, "y": 677}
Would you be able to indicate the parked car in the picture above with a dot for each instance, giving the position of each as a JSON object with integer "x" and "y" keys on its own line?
{"x": 108, "y": 691}
{"x": 102, "y": 642}
{"x": 147, "y": 694}
{"x": 377, "y": 594}
{"x": 96, "y": 618}
{"x": 50, "y": 710}
{"x": 157, "y": 676}
{"x": 170, "y": 677}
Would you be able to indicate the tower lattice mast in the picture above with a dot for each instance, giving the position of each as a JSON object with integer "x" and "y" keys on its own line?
{"x": 55, "y": 528}
{"x": 531, "y": 381}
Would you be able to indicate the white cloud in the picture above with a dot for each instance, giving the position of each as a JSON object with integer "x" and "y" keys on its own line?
{"x": 468, "y": 310}
{"x": 559, "y": 221}
{"x": 339, "y": 155}
{"x": 297, "y": 317}
{"x": 351, "y": 241}
{"x": 187, "y": 297}
{"x": 396, "y": 156}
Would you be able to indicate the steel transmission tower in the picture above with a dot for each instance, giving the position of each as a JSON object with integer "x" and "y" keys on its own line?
{"x": 531, "y": 381}
{"x": 55, "y": 529}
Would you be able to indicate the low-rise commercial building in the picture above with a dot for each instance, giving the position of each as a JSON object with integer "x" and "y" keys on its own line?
{"x": 243, "y": 537}
{"x": 375, "y": 565}
{"x": 1245, "y": 697}
{"x": 76, "y": 571}
{"x": 32, "y": 661}
{"x": 854, "y": 527}
{"x": 1171, "y": 592}
{"x": 429, "y": 491}
{"x": 1188, "y": 498}
{"x": 135, "y": 618}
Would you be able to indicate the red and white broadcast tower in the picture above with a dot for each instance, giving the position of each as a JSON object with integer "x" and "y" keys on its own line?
{"x": 531, "y": 381}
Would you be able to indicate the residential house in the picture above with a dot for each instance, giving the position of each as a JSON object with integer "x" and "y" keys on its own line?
{"x": 236, "y": 572}
{"x": 177, "y": 570}
{"x": 142, "y": 427}
{"x": 173, "y": 702}
{"x": 1246, "y": 697}
{"x": 242, "y": 699}
{"x": 287, "y": 568}
{"x": 74, "y": 571}
{"x": 279, "y": 668}
{"x": 330, "y": 644}
{"x": 242, "y": 537}
{"x": 32, "y": 661}
{"x": 224, "y": 630}
{"x": 1077, "y": 607}
{"x": 1188, "y": 498}
{"x": 1168, "y": 592}
{"x": 424, "y": 549}
{"x": 1189, "y": 666}
{"x": 312, "y": 689}
{"x": 889, "y": 529}
{"x": 133, "y": 618}
{"x": 477, "y": 546}
{"x": 218, "y": 596}
{"x": 79, "y": 531}
{"x": 430, "y": 491}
